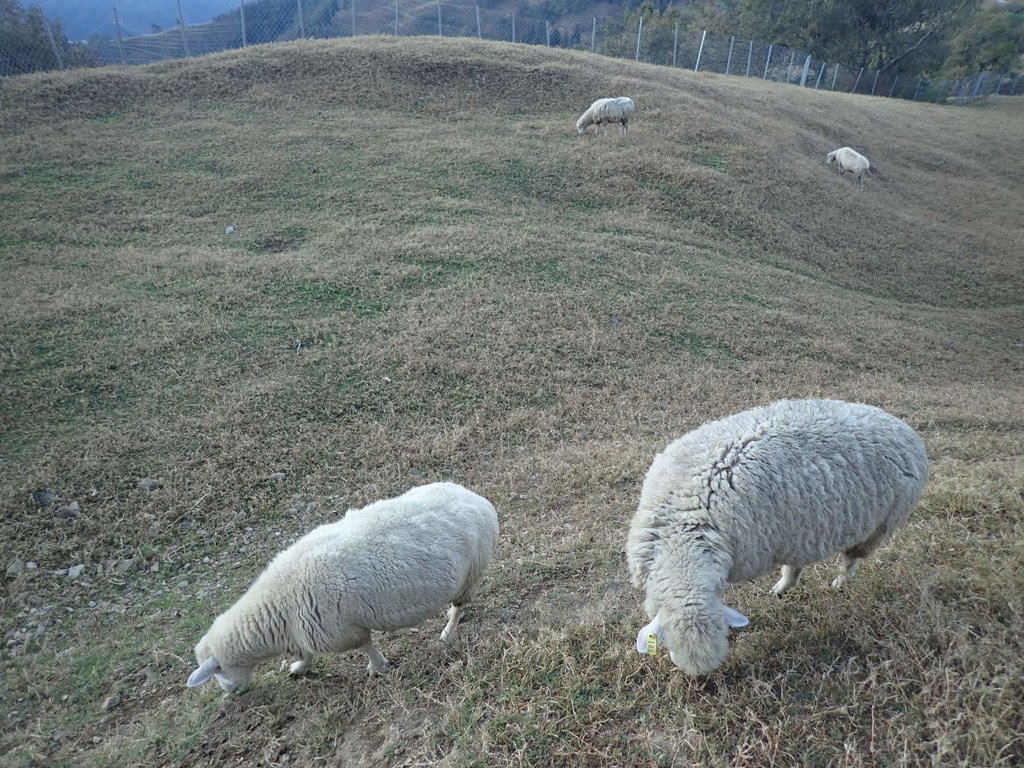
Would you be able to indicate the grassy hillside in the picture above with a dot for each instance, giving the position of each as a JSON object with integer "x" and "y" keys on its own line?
{"x": 431, "y": 276}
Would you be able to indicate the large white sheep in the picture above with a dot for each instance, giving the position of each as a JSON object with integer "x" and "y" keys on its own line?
{"x": 786, "y": 484}
{"x": 847, "y": 159}
{"x": 618, "y": 109}
{"x": 383, "y": 567}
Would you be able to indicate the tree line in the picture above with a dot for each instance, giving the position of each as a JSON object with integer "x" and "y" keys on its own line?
{"x": 933, "y": 38}
{"x": 29, "y": 42}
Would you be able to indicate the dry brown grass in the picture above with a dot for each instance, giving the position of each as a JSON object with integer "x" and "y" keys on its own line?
{"x": 433, "y": 278}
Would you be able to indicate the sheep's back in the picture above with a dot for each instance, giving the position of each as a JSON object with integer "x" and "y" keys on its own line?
{"x": 390, "y": 564}
{"x": 793, "y": 482}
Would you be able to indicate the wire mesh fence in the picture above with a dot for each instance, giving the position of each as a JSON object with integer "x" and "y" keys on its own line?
{"x": 33, "y": 43}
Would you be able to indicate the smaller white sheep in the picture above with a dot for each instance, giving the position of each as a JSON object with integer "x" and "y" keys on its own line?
{"x": 786, "y": 484}
{"x": 618, "y": 109}
{"x": 847, "y": 159}
{"x": 383, "y": 567}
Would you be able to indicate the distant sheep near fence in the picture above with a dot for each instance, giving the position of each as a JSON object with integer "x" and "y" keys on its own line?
{"x": 618, "y": 109}
{"x": 847, "y": 159}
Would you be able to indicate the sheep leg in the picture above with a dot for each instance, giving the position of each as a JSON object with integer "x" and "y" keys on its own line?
{"x": 377, "y": 663}
{"x": 454, "y": 615}
{"x": 790, "y": 576}
{"x": 849, "y": 558}
{"x": 300, "y": 665}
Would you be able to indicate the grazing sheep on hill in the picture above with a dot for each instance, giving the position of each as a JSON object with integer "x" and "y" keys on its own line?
{"x": 614, "y": 110}
{"x": 786, "y": 484}
{"x": 847, "y": 159}
{"x": 383, "y": 567}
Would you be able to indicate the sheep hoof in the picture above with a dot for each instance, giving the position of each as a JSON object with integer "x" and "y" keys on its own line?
{"x": 839, "y": 581}
{"x": 780, "y": 588}
{"x": 298, "y": 668}
{"x": 372, "y": 671}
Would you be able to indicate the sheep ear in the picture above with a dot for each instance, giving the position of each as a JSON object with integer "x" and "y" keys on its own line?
{"x": 735, "y": 619}
{"x": 648, "y": 637}
{"x": 203, "y": 672}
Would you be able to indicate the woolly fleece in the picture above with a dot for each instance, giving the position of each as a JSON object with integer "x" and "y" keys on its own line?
{"x": 790, "y": 483}
{"x": 389, "y": 565}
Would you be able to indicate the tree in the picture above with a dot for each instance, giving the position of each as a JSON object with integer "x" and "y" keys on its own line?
{"x": 894, "y": 35}
{"x": 30, "y": 43}
{"x": 993, "y": 40}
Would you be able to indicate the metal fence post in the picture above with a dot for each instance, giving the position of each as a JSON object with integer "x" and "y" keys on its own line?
{"x": 750, "y": 52}
{"x": 439, "y": 33}
{"x": 396, "y": 17}
{"x": 302, "y": 19}
{"x": 675, "y": 45}
{"x": 789, "y": 68}
{"x": 700, "y": 50}
{"x": 547, "y": 31}
{"x": 875, "y": 82}
{"x": 478, "y": 22}
{"x": 639, "y": 31}
{"x": 593, "y": 35}
{"x": 513, "y": 26}
{"x": 918, "y": 89}
{"x": 181, "y": 26}
{"x": 893, "y": 86}
{"x": 834, "y": 76}
{"x": 353, "y": 18}
{"x": 767, "y": 61}
{"x": 53, "y": 43}
{"x": 854, "y": 89}
{"x": 821, "y": 74}
{"x": 120, "y": 42}
{"x": 807, "y": 68}
{"x": 241, "y": 15}
{"x": 979, "y": 79}
{"x": 1013, "y": 88}
{"x": 728, "y": 61}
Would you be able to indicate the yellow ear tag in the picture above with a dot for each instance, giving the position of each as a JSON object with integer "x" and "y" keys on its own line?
{"x": 647, "y": 638}
{"x": 652, "y": 644}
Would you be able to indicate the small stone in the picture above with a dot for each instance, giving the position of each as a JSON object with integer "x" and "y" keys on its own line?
{"x": 155, "y": 567}
{"x": 153, "y": 531}
{"x": 279, "y": 476}
{"x": 125, "y": 565}
{"x": 228, "y": 230}
{"x": 75, "y": 571}
{"x": 30, "y": 566}
{"x": 96, "y": 740}
{"x": 69, "y": 511}
{"x": 110, "y": 702}
{"x": 34, "y": 600}
{"x": 65, "y": 697}
{"x": 44, "y": 497}
{"x": 15, "y": 569}
{"x": 149, "y": 484}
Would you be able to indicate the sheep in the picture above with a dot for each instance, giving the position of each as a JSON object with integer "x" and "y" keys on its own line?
{"x": 614, "y": 110}
{"x": 785, "y": 484}
{"x": 847, "y": 159}
{"x": 386, "y": 566}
